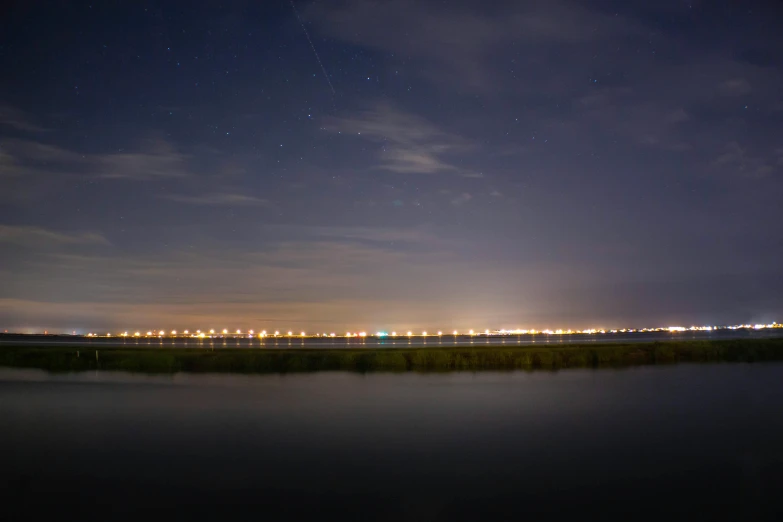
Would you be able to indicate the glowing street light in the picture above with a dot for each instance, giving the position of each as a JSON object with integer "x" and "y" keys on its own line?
{"x": 471, "y": 332}
{"x": 424, "y": 334}
{"x": 162, "y": 332}
{"x": 455, "y": 332}
{"x": 225, "y": 331}
{"x": 173, "y": 332}
{"x": 211, "y": 331}
{"x": 410, "y": 333}
{"x": 252, "y": 332}
{"x": 303, "y": 334}
{"x": 137, "y": 334}
{"x": 290, "y": 334}
{"x": 149, "y": 334}
{"x": 440, "y": 333}
{"x": 239, "y": 331}
{"x": 277, "y": 333}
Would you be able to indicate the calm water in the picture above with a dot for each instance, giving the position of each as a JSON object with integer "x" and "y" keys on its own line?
{"x": 672, "y": 443}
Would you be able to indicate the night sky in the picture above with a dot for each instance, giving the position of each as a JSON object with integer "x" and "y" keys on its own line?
{"x": 363, "y": 164}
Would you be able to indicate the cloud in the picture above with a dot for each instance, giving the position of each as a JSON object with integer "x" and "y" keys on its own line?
{"x": 218, "y": 199}
{"x": 15, "y": 119}
{"x": 650, "y": 123}
{"x": 461, "y": 199}
{"x": 374, "y": 236}
{"x": 458, "y": 43}
{"x": 735, "y": 87}
{"x": 157, "y": 159}
{"x": 34, "y": 236}
{"x": 273, "y": 274}
{"x": 739, "y": 161}
{"x": 408, "y": 143}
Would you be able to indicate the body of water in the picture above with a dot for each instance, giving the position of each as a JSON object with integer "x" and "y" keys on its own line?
{"x": 687, "y": 442}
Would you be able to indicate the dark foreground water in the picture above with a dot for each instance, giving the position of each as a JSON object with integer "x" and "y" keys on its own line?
{"x": 656, "y": 443}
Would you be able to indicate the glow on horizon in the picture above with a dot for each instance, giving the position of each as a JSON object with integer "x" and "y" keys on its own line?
{"x": 485, "y": 332}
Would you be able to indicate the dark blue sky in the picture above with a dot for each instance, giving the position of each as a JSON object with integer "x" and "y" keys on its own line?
{"x": 518, "y": 164}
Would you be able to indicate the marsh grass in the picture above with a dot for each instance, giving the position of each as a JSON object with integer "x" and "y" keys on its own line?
{"x": 420, "y": 359}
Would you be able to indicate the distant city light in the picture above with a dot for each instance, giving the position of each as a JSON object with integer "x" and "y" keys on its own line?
{"x": 592, "y": 331}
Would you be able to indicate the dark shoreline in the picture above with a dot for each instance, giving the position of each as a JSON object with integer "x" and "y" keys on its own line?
{"x": 429, "y": 359}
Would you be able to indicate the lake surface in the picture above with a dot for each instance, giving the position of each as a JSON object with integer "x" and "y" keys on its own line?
{"x": 688, "y": 442}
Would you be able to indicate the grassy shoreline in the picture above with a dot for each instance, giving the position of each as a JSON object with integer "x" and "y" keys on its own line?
{"x": 420, "y": 359}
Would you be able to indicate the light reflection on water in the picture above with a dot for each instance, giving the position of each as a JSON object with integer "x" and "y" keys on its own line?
{"x": 686, "y": 442}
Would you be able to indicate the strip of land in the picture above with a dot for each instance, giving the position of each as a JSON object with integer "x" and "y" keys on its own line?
{"x": 435, "y": 359}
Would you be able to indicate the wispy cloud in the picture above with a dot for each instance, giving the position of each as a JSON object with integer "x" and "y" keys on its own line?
{"x": 457, "y": 44}
{"x": 34, "y": 236}
{"x": 217, "y": 199}
{"x": 13, "y": 118}
{"x": 156, "y": 159}
{"x": 420, "y": 235}
{"x": 739, "y": 161}
{"x": 408, "y": 143}
{"x": 735, "y": 87}
{"x": 461, "y": 199}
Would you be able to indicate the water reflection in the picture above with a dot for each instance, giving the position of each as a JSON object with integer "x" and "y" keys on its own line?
{"x": 673, "y": 443}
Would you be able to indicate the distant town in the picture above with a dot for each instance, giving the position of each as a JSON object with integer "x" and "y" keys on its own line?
{"x": 239, "y": 333}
